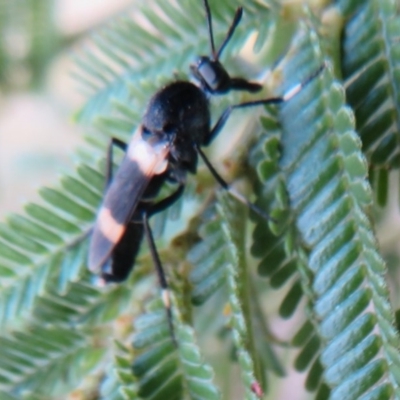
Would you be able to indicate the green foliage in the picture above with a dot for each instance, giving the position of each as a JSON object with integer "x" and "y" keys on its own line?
{"x": 29, "y": 39}
{"x": 234, "y": 229}
{"x": 318, "y": 258}
{"x": 162, "y": 369}
{"x": 372, "y": 84}
{"x": 344, "y": 267}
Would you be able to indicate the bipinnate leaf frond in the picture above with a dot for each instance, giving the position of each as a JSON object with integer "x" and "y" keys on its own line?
{"x": 371, "y": 64}
{"x": 340, "y": 267}
{"x": 164, "y": 370}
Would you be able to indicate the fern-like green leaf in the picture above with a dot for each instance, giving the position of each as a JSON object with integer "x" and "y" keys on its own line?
{"x": 210, "y": 256}
{"x": 32, "y": 360}
{"x": 48, "y": 241}
{"x": 277, "y": 244}
{"x": 237, "y": 278}
{"x": 164, "y": 371}
{"x": 220, "y": 277}
{"x": 331, "y": 205}
{"x": 370, "y": 66}
{"x": 119, "y": 384}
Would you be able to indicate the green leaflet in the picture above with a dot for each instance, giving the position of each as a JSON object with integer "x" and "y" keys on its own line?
{"x": 119, "y": 384}
{"x": 237, "y": 276}
{"x": 164, "y": 371}
{"x": 47, "y": 242}
{"x": 210, "y": 256}
{"x": 33, "y": 360}
{"x": 73, "y": 345}
{"x": 370, "y": 67}
{"x": 222, "y": 276}
{"x": 278, "y": 246}
{"x": 331, "y": 203}
{"x": 324, "y": 175}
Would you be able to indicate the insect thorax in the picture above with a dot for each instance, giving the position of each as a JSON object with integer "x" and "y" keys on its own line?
{"x": 180, "y": 108}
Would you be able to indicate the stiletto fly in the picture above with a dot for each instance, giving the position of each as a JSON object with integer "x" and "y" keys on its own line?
{"x": 165, "y": 147}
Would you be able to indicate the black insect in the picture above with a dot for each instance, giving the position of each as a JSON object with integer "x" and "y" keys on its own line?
{"x": 165, "y": 147}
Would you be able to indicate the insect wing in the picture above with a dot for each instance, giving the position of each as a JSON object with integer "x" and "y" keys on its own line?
{"x": 143, "y": 160}
{"x": 119, "y": 265}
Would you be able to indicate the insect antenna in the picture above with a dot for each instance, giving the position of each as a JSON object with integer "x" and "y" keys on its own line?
{"x": 235, "y": 23}
{"x": 210, "y": 30}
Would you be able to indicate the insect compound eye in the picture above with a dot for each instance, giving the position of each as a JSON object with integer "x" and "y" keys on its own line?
{"x": 213, "y": 75}
{"x": 208, "y": 72}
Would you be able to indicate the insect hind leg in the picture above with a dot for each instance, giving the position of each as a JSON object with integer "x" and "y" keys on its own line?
{"x": 165, "y": 293}
{"x": 149, "y": 210}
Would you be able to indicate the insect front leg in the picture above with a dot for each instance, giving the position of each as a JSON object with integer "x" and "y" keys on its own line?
{"x": 224, "y": 117}
{"x": 227, "y": 112}
{"x": 262, "y": 102}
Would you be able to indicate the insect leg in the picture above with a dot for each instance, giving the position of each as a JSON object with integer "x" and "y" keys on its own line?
{"x": 113, "y": 142}
{"x": 227, "y": 112}
{"x": 244, "y": 84}
{"x": 272, "y": 100}
{"x": 160, "y": 273}
{"x": 165, "y": 203}
{"x": 221, "y": 122}
{"x": 229, "y": 189}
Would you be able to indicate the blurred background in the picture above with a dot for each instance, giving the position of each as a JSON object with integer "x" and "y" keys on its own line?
{"x": 38, "y": 94}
